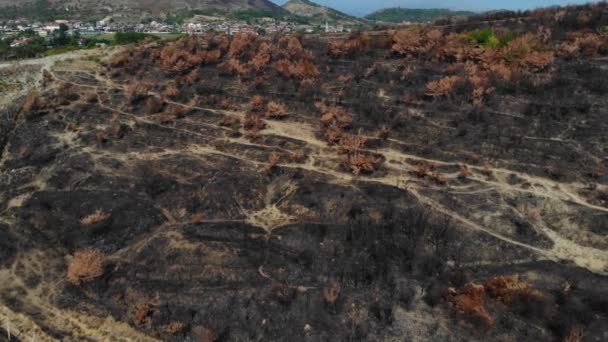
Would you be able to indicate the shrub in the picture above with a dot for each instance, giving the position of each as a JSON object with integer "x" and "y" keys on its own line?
{"x": 241, "y": 43}
{"x": 141, "y": 315}
{"x": 257, "y": 103}
{"x": 336, "y": 116}
{"x": 273, "y": 161}
{"x": 348, "y": 48}
{"x": 276, "y": 110}
{"x": 298, "y": 156}
{"x": 170, "y": 91}
{"x": 154, "y": 105}
{"x": 136, "y": 91}
{"x": 442, "y": 87}
{"x": 96, "y": 217}
{"x": 302, "y": 69}
{"x": 576, "y": 334}
{"x": 361, "y": 163}
{"x": 469, "y": 301}
{"x": 506, "y": 288}
{"x": 86, "y": 265}
{"x": 416, "y": 41}
{"x": 204, "y": 334}
{"x": 175, "y": 327}
{"x": 484, "y": 37}
{"x": 33, "y": 102}
{"x": 331, "y": 292}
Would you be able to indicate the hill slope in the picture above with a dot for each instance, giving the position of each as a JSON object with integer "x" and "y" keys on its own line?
{"x": 309, "y": 9}
{"x": 397, "y": 14}
{"x": 151, "y": 6}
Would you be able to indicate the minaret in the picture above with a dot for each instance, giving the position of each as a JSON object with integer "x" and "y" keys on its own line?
{"x": 326, "y": 26}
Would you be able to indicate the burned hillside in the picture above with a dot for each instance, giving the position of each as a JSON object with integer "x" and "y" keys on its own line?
{"x": 429, "y": 183}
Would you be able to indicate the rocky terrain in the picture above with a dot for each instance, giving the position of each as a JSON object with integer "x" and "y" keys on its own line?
{"x": 439, "y": 184}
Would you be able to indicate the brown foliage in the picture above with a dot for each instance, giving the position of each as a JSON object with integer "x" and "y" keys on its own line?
{"x": 190, "y": 52}
{"x": 464, "y": 172}
{"x": 176, "y": 112}
{"x": 352, "y": 143}
{"x": 142, "y": 313}
{"x": 416, "y": 41}
{"x": 334, "y": 134}
{"x": 257, "y": 103}
{"x": 423, "y": 169}
{"x": 262, "y": 57}
{"x": 361, "y": 163}
{"x": 85, "y": 265}
{"x": 300, "y": 69}
{"x": 175, "y": 327}
{"x": 336, "y": 116}
{"x": 170, "y": 91}
{"x": 506, "y": 288}
{"x": 469, "y": 301}
{"x": 154, "y": 105}
{"x": 241, "y": 43}
{"x": 442, "y": 87}
{"x": 205, "y": 334}
{"x": 136, "y": 90}
{"x": 575, "y": 334}
{"x": 235, "y": 67}
{"x": 273, "y": 161}
{"x": 33, "y": 102}
{"x": 586, "y": 44}
{"x": 253, "y": 125}
{"x": 276, "y": 110}
{"x": 349, "y": 47}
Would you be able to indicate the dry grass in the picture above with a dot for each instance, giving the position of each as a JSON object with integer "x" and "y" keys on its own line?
{"x": 96, "y": 217}
{"x": 86, "y": 265}
{"x": 576, "y": 334}
{"x": 175, "y": 327}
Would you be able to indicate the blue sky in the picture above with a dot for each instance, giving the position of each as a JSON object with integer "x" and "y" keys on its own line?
{"x": 362, "y": 7}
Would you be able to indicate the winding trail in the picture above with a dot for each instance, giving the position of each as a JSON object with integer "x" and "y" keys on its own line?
{"x": 322, "y": 160}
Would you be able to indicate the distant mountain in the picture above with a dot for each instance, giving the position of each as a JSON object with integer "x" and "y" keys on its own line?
{"x": 316, "y": 12}
{"x": 398, "y": 14}
{"x": 145, "y": 6}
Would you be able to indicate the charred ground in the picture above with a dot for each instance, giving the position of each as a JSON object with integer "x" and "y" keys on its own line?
{"x": 428, "y": 183}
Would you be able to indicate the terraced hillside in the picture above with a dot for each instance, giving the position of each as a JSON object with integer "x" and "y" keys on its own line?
{"x": 424, "y": 184}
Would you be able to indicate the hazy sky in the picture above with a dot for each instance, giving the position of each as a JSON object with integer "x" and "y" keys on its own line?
{"x": 362, "y": 7}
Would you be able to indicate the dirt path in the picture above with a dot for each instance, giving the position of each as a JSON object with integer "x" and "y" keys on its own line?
{"x": 398, "y": 175}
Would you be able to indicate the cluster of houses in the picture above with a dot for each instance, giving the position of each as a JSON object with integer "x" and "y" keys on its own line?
{"x": 43, "y": 30}
{"x": 199, "y": 26}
